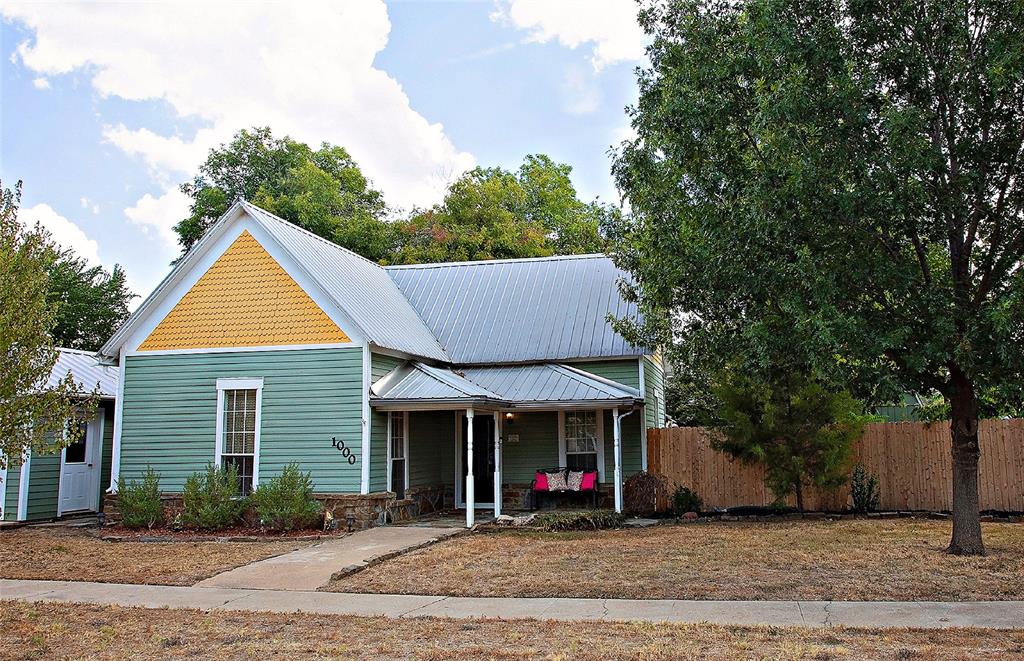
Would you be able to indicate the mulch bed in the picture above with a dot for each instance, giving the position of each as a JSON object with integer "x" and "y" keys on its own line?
{"x": 119, "y": 533}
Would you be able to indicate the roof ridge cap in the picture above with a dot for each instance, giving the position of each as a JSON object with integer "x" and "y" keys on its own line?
{"x": 291, "y": 225}
{"x": 490, "y": 262}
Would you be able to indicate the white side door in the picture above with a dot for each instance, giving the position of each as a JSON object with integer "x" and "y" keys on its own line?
{"x": 79, "y": 471}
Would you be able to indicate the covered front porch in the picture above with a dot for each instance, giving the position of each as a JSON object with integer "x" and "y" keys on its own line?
{"x": 449, "y": 440}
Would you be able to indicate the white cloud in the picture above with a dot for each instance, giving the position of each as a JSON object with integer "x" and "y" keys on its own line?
{"x": 89, "y": 204}
{"x": 41, "y": 83}
{"x": 63, "y": 231}
{"x": 609, "y": 26}
{"x": 156, "y": 216}
{"x": 304, "y": 72}
{"x": 580, "y": 93}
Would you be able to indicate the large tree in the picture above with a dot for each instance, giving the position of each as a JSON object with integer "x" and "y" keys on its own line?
{"x": 91, "y": 302}
{"x": 321, "y": 190}
{"x": 840, "y": 182}
{"x": 34, "y": 415}
{"x": 492, "y": 213}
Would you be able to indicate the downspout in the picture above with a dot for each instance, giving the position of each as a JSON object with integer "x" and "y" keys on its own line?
{"x": 617, "y": 424}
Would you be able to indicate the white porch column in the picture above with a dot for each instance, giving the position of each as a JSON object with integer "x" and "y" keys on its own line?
{"x": 497, "y": 464}
{"x": 617, "y": 424}
{"x": 470, "y": 487}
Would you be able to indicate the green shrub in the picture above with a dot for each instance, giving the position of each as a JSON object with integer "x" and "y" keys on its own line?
{"x": 580, "y": 520}
{"x": 139, "y": 501}
{"x": 864, "y": 489}
{"x": 686, "y": 500}
{"x": 286, "y": 501}
{"x": 211, "y": 499}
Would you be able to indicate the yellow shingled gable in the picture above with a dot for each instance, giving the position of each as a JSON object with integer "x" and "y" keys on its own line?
{"x": 244, "y": 300}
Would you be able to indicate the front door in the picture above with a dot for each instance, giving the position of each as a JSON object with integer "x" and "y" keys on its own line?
{"x": 78, "y": 488}
{"x": 483, "y": 458}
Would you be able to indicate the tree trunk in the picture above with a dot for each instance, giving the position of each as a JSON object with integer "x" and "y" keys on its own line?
{"x": 799, "y": 495}
{"x": 964, "y": 429}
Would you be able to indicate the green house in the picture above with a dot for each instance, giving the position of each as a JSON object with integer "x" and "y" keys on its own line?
{"x": 38, "y": 487}
{"x": 401, "y": 389}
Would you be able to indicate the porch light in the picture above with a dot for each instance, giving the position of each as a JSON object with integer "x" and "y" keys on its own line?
{"x": 509, "y": 416}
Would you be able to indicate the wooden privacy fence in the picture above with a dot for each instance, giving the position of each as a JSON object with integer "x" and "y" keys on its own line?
{"x": 912, "y": 461}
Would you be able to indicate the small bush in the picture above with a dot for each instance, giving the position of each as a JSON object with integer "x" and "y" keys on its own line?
{"x": 686, "y": 500}
{"x": 645, "y": 494}
{"x": 864, "y": 489}
{"x": 139, "y": 501}
{"x": 211, "y": 499}
{"x": 580, "y": 520}
{"x": 286, "y": 501}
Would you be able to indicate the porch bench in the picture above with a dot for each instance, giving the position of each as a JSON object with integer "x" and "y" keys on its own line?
{"x": 541, "y": 488}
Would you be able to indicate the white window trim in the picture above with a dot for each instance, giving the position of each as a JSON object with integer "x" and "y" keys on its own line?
{"x": 240, "y": 384}
{"x": 600, "y": 440}
{"x": 405, "y": 444}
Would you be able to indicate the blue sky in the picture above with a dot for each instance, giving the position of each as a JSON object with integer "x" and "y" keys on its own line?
{"x": 106, "y": 108}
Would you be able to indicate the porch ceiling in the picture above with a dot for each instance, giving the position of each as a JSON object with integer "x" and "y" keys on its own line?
{"x": 542, "y": 385}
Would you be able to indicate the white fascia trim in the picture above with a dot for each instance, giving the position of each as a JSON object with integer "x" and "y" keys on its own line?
{"x": 3, "y": 490}
{"x": 245, "y": 383}
{"x": 364, "y": 475}
{"x": 276, "y": 347}
{"x": 26, "y": 472}
{"x": 115, "y": 450}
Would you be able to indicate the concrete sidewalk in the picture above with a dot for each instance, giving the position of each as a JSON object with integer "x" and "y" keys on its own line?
{"x": 309, "y": 568}
{"x": 931, "y": 615}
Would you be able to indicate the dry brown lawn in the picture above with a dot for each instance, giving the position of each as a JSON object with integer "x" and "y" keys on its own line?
{"x": 67, "y": 554}
{"x": 59, "y": 631}
{"x": 899, "y": 559}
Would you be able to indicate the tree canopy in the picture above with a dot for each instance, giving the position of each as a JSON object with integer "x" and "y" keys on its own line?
{"x": 492, "y": 213}
{"x": 839, "y": 183}
{"x": 487, "y": 213}
{"x": 321, "y": 190}
{"x": 90, "y": 302}
{"x": 33, "y": 417}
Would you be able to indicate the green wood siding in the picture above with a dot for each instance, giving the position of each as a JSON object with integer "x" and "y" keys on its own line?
{"x": 625, "y": 371}
{"x": 431, "y": 448}
{"x": 654, "y": 395}
{"x": 43, "y": 486}
{"x": 309, "y": 396}
{"x": 108, "y": 448}
{"x": 537, "y": 446}
{"x": 632, "y": 449}
{"x": 11, "y": 491}
{"x": 380, "y": 365}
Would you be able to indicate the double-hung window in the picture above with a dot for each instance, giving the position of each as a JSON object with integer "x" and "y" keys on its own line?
{"x": 397, "y": 444}
{"x": 238, "y": 429}
{"x": 581, "y": 440}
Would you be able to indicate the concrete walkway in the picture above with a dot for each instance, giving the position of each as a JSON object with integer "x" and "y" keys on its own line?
{"x": 309, "y": 568}
{"x": 932, "y": 615}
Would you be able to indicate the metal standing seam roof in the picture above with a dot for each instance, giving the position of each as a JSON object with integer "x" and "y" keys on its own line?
{"x": 87, "y": 372}
{"x": 360, "y": 287}
{"x": 504, "y": 385}
{"x": 521, "y": 310}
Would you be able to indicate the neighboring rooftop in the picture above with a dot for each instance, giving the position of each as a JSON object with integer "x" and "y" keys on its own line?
{"x": 86, "y": 371}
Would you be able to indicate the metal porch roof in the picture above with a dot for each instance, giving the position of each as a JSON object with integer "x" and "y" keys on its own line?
{"x": 508, "y": 386}
{"x": 87, "y": 372}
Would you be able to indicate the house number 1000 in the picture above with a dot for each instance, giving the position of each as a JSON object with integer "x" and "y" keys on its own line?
{"x": 343, "y": 449}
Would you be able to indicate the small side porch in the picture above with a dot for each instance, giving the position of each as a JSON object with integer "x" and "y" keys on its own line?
{"x": 450, "y": 441}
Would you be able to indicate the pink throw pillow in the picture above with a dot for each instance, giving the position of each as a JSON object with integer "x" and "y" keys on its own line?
{"x": 589, "y": 482}
{"x": 541, "y": 481}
